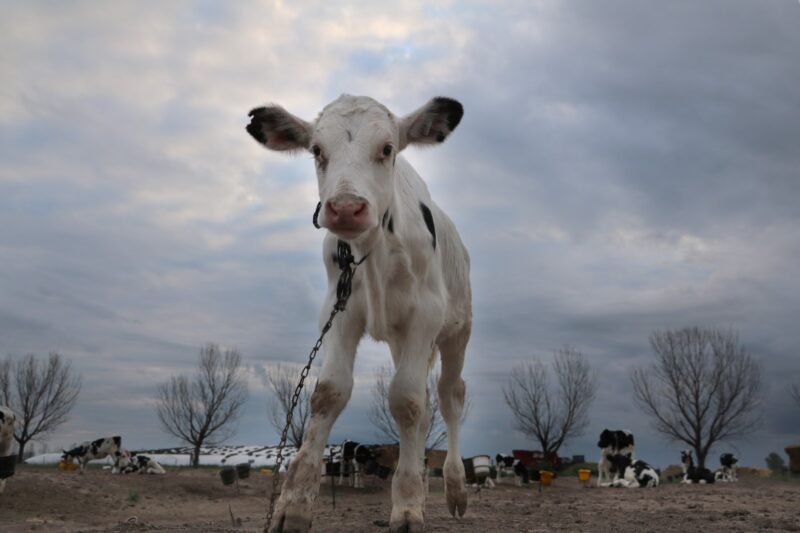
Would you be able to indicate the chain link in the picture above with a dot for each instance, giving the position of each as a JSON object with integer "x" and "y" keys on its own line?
{"x": 347, "y": 264}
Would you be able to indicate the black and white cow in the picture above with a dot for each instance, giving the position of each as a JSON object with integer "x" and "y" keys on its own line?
{"x": 96, "y": 449}
{"x": 728, "y": 470}
{"x": 695, "y": 474}
{"x": 131, "y": 462}
{"x": 362, "y": 459}
{"x": 613, "y": 442}
{"x": 631, "y": 473}
{"x": 7, "y": 459}
{"x": 509, "y": 463}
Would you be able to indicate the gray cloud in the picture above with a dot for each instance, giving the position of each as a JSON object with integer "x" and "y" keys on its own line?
{"x": 621, "y": 167}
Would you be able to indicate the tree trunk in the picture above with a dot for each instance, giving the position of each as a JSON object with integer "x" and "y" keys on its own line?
{"x": 196, "y": 456}
{"x": 21, "y": 452}
{"x": 701, "y": 456}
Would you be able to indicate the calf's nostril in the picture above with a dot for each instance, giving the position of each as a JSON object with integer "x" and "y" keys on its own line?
{"x": 331, "y": 210}
{"x": 362, "y": 210}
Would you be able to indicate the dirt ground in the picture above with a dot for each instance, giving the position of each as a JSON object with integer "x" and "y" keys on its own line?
{"x": 46, "y": 499}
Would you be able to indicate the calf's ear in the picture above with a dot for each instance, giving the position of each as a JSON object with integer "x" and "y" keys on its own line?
{"x": 431, "y": 123}
{"x": 277, "y": 129}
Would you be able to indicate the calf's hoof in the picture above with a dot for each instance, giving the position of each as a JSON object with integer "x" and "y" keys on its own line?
{"x": 406, "y": 522}
{"x": 289, "y": 523}
{"x": 456, "y": 495}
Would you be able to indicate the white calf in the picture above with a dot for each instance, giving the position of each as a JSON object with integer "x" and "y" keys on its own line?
{"x": 412, "y": 290}
{"x": 7, "y": 459}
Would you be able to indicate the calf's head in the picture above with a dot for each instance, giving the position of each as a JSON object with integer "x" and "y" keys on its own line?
{"x": 606, "y": 439}
{"x": 686, "y": 458}
{"x": 354, "y": 142}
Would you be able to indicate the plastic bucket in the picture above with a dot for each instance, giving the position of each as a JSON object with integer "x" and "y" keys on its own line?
{"x": 545, "y": 478}
{"x": 69, "y": 467}
{"x": 482, "y": 466}
{"x": 243, "y": 470}
{"x": 228, "y": 475}
{"x": 584, "y": 474}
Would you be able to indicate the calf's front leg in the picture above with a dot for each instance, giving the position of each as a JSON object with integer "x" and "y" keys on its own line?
{"x": 294, "y": 508}
{"x": 408, "y": 404}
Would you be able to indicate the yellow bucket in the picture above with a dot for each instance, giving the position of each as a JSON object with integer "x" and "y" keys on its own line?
{"x": 266, "y": 471}
{"x": 584, "y": 474}
{"x": 63, "y": 465}
{"x": 545, "y": 477}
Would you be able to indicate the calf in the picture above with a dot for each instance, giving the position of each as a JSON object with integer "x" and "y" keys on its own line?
{"x": 632, "y": 474}
{"x": 411, "y": 289}
{"x": 509, "y": 463}
{"x": 728, "y": 470}
{"x": 695, "y": 474}
{"x": 131, "y": 462}
{"x": 358, "y": 459}
{"x": 8, "y": 460}
{"x": 96, "y": 449}
{"x": 612, "y": 442}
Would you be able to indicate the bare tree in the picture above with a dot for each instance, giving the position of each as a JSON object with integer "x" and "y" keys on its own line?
{"x": 202, "y": 409}
{"x": 282, "y": 381}
{"x": 381, "y": 416}
{"x": 551, "y": 411}
{"x": 702, "y": 389}
{"x": 41, "y": 394}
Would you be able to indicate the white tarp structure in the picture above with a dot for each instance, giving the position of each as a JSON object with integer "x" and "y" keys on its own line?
{"x": 257, "y": 456}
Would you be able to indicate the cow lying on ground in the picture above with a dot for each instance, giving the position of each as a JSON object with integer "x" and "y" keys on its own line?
{"x": 632, "y": 474}
{"x": 695, "y": 474}
{"x": 613, "y": 442}
{"x": 7, "y": 459}
{"x": 411, "y": 289}
{"x": 509, "y": 463}
{"x": 96, "y": 449}
{"x": 728, "y": 471}
{"x": 131, "y": 462}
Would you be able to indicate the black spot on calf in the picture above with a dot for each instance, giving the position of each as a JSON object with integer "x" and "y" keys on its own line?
{"x": 428, "y": 217}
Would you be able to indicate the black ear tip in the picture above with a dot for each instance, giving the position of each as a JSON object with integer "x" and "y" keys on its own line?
{"x": 256, "y": 111}
{"x": 452, "y": 108}
{"x": 257, "y": 132}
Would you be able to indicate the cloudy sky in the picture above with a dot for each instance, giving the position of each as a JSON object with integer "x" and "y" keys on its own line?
{"x": 621, "y": 167}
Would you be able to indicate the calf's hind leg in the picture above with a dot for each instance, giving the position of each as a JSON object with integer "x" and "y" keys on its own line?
{"x": 451, "y": 403}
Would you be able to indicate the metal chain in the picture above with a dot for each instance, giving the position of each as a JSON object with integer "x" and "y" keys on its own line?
{"x": 347, "y": 264}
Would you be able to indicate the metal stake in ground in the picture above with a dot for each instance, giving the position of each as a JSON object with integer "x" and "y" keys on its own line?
{"x": 347, "y": 264}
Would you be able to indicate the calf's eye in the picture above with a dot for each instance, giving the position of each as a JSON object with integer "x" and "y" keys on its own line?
{"x": 387, "y": 150}
{"x": 316, "y": 150}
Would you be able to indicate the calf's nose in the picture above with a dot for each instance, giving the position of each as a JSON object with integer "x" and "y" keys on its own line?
{"x": 346, "y": 212}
